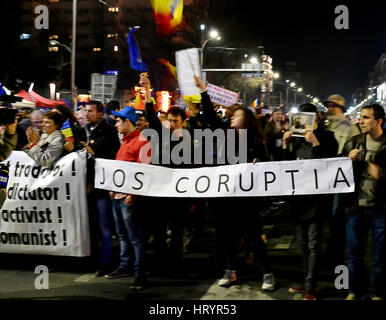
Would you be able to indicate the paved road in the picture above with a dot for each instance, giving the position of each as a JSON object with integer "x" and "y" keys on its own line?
{"x": 71, "y": 278}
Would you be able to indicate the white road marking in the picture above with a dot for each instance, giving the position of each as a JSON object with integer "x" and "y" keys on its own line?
{"x": 85, "y": 278}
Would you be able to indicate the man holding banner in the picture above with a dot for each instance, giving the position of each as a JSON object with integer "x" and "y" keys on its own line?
{"x": 102, "y": 142}
{"x": 127, "y": 215}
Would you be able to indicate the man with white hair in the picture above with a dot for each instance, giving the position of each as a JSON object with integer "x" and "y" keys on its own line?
{"x": 35, "y": 120}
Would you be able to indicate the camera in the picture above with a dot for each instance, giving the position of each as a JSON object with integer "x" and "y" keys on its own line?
{"x": 7, "y": 116}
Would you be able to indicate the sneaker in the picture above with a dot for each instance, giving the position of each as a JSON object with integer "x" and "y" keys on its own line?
{"x": 310, "y": 295}
{"x": 268, "y": 282}
{"x": 297, "y": 289}
{"x": 351, "y": 296}
{"x": 119, "y": 273}
{"x": 228, "y": 278}
{"x": 103, "y": 270}
{"x": 139, "y": 284}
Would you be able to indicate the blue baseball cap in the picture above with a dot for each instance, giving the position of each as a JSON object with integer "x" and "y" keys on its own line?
{"x": 127, "y": 113}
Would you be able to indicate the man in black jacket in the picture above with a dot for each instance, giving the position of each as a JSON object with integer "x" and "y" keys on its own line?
{"x": 309, "y": 210}
{"x": 172, "y": 212}
{"x": 368, "y": 204}
{"x": 102, "y": 142}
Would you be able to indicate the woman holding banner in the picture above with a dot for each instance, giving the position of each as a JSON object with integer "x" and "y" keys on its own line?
{"x": 49, "y": 147}
{"x": 234, "y": 224}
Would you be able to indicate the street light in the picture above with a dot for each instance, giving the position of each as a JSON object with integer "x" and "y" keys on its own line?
{"x": 72, "y": 52}
{"x": 254, "y": 60}
{"x": 57, "y": 43}
{"x": 276, "y": 75}
{"x": 292, "y": 85}
{"x": 214, "y": 35}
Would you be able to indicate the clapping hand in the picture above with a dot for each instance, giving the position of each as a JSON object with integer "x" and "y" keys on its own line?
{"x": 33, "y": 135}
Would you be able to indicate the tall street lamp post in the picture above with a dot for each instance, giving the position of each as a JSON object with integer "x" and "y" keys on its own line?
{"x": 73, "y": 53}
{"x": 213, "y": 36}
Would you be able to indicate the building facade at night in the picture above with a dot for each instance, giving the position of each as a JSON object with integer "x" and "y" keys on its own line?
{"x": 101, "y": 30}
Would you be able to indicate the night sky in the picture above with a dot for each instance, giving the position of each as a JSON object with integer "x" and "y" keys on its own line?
{"x": 331, "y": 60}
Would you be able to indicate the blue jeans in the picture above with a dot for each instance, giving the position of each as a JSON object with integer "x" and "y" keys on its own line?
{"x": 129, "y": 230}
{"x": 358, "y": 227}
{"x": 104, "y": 216}
{"x": 337, "y": 226}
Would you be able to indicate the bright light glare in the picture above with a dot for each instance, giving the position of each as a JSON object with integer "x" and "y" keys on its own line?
{"x": 214, "y": 34}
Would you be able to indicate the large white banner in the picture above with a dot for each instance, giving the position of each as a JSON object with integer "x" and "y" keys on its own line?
{"x": 320, "y": 176}
{"x": 46, "y": 208}
{"x": 222, "y": 96}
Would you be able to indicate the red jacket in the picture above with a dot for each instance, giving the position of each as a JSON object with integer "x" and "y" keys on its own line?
{"x": 131, "y": 147}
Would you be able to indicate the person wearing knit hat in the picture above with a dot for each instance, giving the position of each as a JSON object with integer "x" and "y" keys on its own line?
{"x": 142, "y": 122}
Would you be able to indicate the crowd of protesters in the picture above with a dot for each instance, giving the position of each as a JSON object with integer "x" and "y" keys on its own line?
{"x": 112, "y": 132}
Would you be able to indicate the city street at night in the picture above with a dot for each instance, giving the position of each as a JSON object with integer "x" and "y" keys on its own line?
{"x": 193, "y": 158}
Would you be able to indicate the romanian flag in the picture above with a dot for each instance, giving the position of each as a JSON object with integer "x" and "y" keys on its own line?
{"x": 67, "y": 131}
{"x": 254, "y": 104}
{"x": 172, "y": 69}
{"x": 167, "y": 15}
{"x": 139, "y": 103}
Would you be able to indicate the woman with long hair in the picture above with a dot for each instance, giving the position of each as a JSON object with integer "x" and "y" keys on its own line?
{"x": 238, "y": 218}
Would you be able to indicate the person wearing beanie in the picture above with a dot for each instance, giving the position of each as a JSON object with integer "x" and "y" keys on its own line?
{"x": 126, "y": 207}
{"x": 142, "y": 122}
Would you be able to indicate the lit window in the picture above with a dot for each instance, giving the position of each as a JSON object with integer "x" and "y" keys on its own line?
{"x": 115, "y": 48}
{"x": 25, "y": 36}
{"x": 96, "y": 49}
{"x": 53, "y": 0}
{"x": 114, "y": 9}
{"x": 53, "y": 36}
{"x": 53, "y": 49}
{"x": 112, "y": 35}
